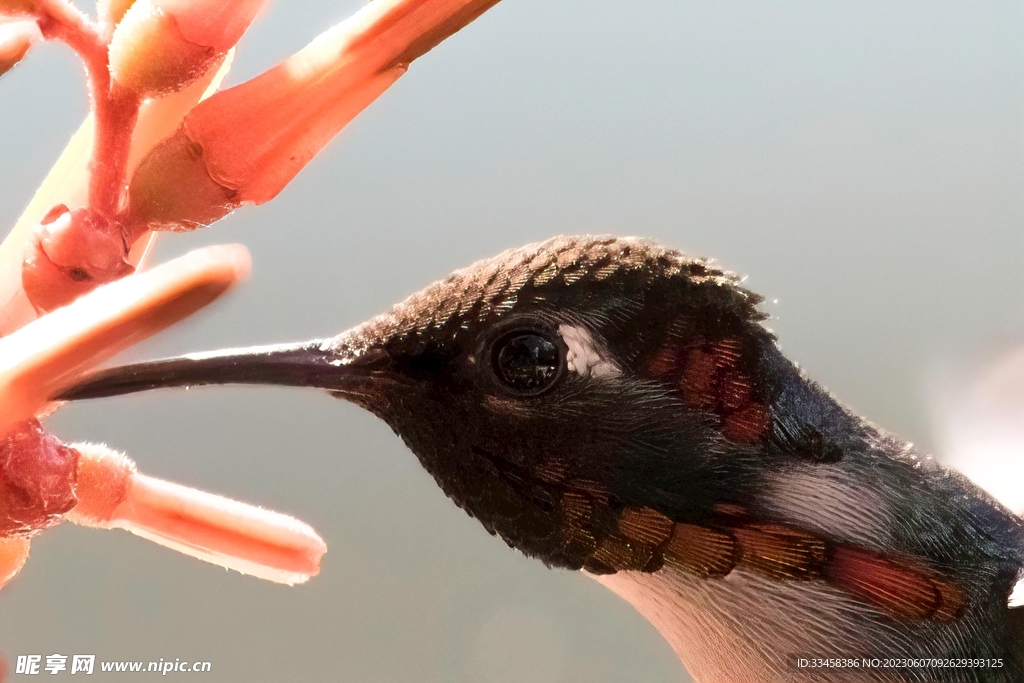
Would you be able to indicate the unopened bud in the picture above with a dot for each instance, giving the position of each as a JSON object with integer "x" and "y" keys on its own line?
{"x": 70, "y": 253}
{"x": 149, "y": 56}
{"x": 160, "y": 46}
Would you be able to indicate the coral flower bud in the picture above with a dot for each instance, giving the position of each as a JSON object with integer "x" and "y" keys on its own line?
{"x": 70, "y": 253}
{"x": 16, "y": 37}
{"x": 269, "y": 545}
{"x": 149, "y": 56}
{"x": 160, "y": 46}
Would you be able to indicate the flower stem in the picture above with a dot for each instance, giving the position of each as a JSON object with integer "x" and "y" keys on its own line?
{"x": 115, "y": 110}
{"x": 115, "y": 121}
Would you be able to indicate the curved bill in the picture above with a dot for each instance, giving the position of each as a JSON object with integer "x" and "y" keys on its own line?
{"x": 314, "y": 364}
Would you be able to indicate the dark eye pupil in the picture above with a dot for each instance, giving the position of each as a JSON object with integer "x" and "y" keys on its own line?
{"x": 527, "y": 362}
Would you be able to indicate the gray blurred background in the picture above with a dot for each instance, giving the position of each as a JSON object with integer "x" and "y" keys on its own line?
{"x": 862, "y": 162}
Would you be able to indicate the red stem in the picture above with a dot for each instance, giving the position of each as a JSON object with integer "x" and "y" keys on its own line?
{"x": 115, "y": 110}
{"x": 115, "y": 121}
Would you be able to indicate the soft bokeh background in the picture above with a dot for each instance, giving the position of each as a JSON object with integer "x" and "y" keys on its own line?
{"x": 863, "y": 162}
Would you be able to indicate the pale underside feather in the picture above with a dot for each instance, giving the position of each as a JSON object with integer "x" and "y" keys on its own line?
{"x": 746, "y": 627}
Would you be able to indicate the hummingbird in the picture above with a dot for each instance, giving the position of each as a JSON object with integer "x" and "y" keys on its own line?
{"x": 612, "y": 406}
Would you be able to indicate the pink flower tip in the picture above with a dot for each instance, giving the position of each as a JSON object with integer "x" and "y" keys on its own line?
{"x": 160, "y": 46}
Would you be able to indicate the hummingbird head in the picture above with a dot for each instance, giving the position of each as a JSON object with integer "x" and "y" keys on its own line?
{"x": 612, "y": 405}
{"x": 556, "y": 392}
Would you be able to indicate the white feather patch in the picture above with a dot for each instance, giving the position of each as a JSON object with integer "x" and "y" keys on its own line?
{"x": 584, "y": 357}
{"x": 832, "y": 501}
{"x": 1017, "y": 594}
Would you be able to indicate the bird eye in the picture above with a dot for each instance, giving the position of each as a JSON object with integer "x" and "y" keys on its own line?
{"x": 527, "y": 363}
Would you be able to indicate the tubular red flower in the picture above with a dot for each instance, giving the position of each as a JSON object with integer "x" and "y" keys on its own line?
{"x": 112, "y": 494}
{"x": 251, "y": 140}
{"x": 242, "y": 150}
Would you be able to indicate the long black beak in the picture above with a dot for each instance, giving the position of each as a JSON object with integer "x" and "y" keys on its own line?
{"x": 308, "y": 364}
